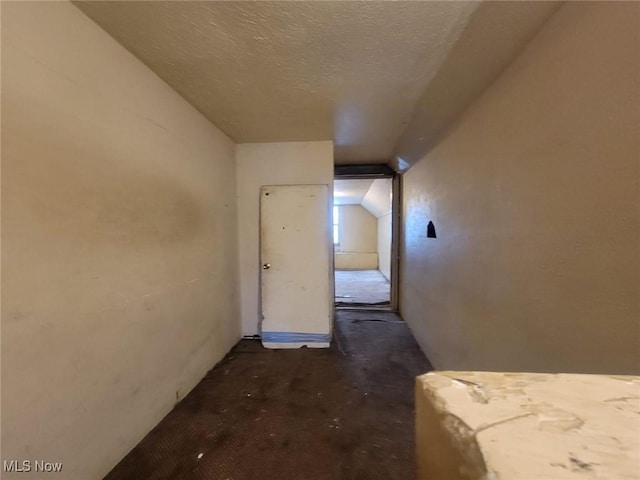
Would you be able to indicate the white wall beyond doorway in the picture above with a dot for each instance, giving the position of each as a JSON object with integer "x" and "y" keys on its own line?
{"x": 358, "y": 234}
{"x": 378, "y": 202}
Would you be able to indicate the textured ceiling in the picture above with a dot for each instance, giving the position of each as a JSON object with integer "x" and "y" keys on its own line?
{"x": 287, "y": 71}
{"x": 382, "y": 79}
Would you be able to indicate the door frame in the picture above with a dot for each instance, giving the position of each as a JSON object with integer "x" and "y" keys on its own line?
{"x": 369, "y": 172}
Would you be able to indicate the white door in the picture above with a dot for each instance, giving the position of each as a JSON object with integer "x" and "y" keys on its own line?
{"x": 295, "y": 251}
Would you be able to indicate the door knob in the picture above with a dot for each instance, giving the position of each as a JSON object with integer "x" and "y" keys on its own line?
{"x": 266, "y": 266}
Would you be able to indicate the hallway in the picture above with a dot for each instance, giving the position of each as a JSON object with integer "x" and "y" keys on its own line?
{"x": 342, "y": 413}
{"x": 177, "y": 176}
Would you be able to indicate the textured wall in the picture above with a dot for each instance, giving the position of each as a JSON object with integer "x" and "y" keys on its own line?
{"x": 258, "y": 164}
{"x": 118, "y": 248}
{"x": 535, "y": 197}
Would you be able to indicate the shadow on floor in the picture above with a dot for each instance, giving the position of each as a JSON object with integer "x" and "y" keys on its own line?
{"x": 342, "y": 413}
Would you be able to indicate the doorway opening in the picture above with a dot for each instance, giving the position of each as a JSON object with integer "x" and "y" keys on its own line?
{"x": 363, "y": 239}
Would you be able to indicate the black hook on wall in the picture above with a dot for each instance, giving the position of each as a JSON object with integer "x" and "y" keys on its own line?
{"x": 431, "y": 230}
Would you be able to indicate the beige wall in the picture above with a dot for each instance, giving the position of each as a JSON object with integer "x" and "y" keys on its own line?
{"x": 378, "y": 202}
{"x": 355, "y": 261}
{"x": 358, "y": 237}
{"x": 258, "y": 164}
{"x": 357, "y": 230}
{"x": 535, "y": 198}
{"x": 119, "y": 243}
{"x": 384, "y": 244}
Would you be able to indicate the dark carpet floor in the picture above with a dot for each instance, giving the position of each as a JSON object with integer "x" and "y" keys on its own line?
{"x": 342, "y": 413}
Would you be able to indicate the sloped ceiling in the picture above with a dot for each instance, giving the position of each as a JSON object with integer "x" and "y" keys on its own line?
{"x": 377, "y": 201}
{"x": 373, "y": 195}
{"x": 350, "y": 192}
{"x": 360, "y": 73}
{"x": 492, "y": 38}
